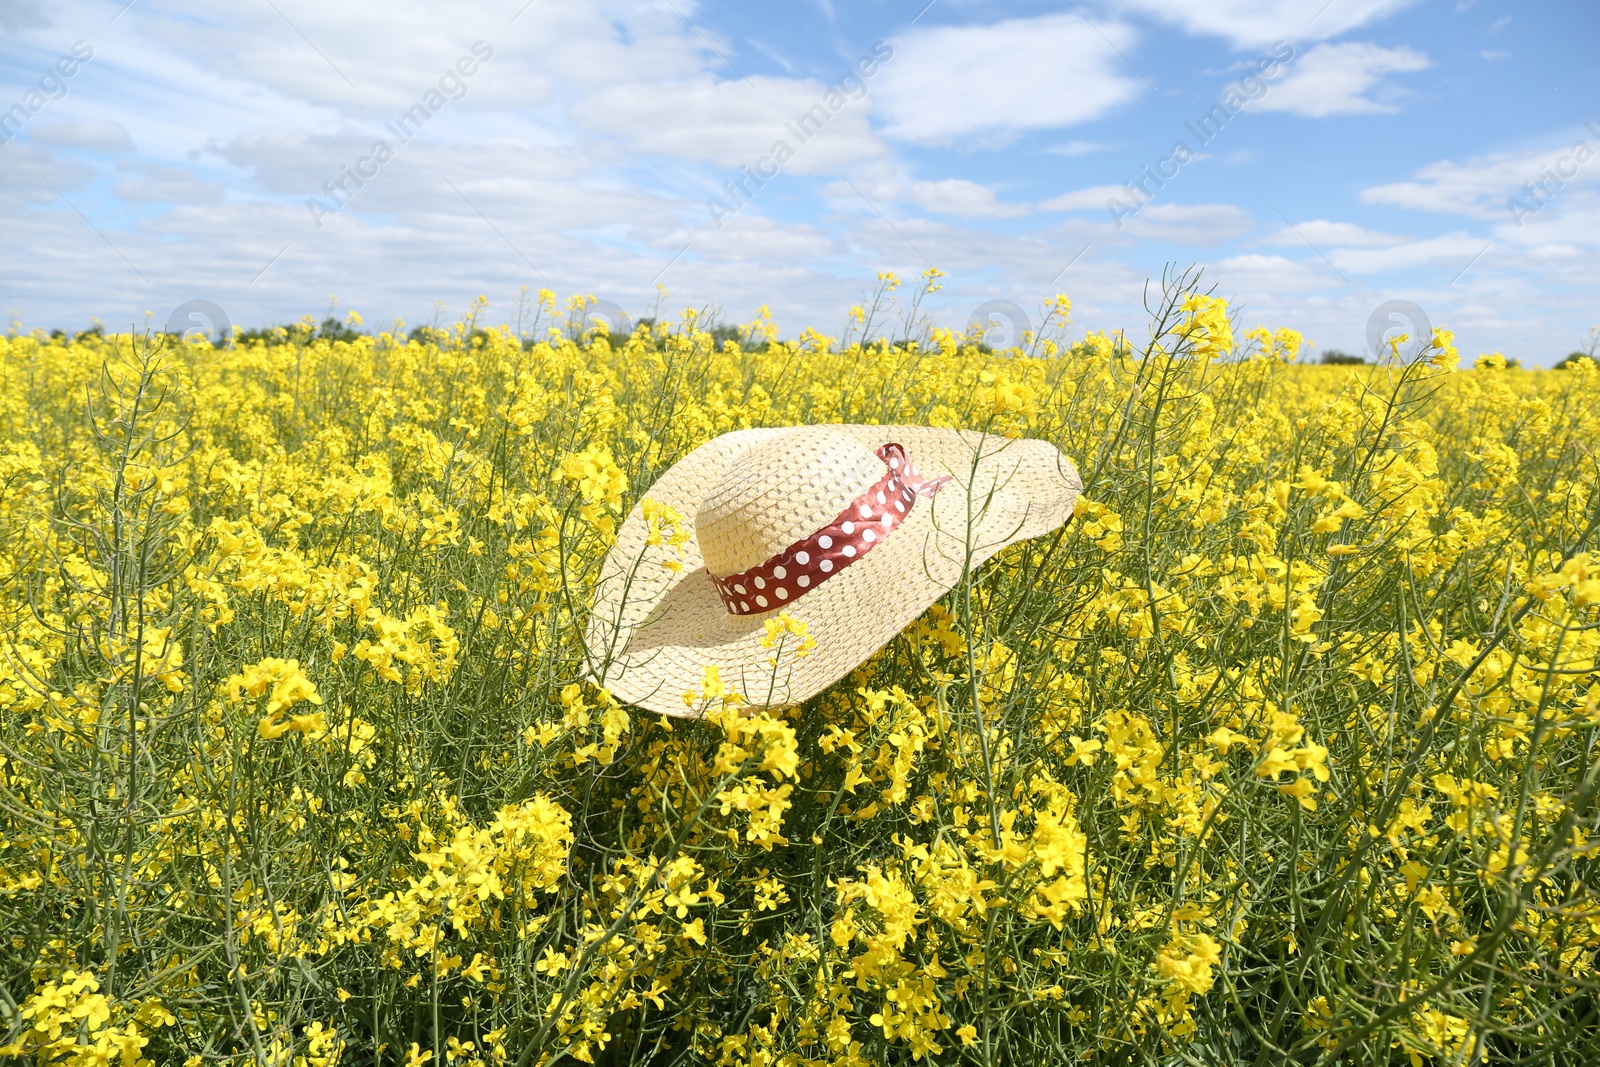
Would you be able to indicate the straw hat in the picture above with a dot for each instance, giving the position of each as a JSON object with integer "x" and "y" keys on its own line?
{"x": 853, "y": 530}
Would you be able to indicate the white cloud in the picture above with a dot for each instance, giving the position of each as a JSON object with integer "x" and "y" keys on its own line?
{"x": 956, "y": 196}
{"x": 1451, "y": 251}
{"x": 879, "y": 181}
{"x": 1333, "y": 79}
{"x": 25, "y": 180}
{"x": 1076, "y": 148}
{"x": 1191, "y": 224}
{"x": 1092, "y": 198}
{"x": 752, "y": 239}
{"x": 165, "y": 185}
{"x": 95, "y": 136}
{"x": 733, "y": 123}
{"x": 1568, "y": 221}
{"x": 1247, "y": 23}
{"x": 951, "y": 82}
{"x": 17, "y": 15}
{"x": 1275, "y": 275}
{"x": 1325, "y": 234}
{"x": 1560, "y": 252}
{"x": 365, "y": 57}
{"x": 1481, "y": 187}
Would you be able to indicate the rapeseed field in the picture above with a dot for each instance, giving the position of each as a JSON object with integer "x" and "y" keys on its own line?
{"x": 1283, "y": 750}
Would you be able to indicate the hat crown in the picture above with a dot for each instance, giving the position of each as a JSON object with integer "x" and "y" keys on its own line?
{"x": 779, "y": 492}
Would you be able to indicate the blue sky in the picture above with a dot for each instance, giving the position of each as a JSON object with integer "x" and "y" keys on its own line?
{"x": 590, "y": 146}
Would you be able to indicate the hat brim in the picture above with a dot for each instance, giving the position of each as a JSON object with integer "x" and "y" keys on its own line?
{"x": 655, "y": 627}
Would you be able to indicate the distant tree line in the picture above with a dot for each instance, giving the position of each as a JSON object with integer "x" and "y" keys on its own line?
{"x": 331, "y": 329}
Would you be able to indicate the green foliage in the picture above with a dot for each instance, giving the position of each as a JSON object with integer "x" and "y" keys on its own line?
{"x": 1334, "y": 357}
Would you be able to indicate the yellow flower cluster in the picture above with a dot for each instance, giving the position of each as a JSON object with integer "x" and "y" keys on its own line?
{"x": 281, "y": 681}
{"x": 69, "y": 1021}
{"x": 1281, "y": 750}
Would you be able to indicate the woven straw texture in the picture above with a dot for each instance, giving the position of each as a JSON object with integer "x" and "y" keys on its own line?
{"x": 752, "y": 493}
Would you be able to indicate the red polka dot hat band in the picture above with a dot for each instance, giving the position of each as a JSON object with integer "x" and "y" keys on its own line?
{"x": 809, "y": 562}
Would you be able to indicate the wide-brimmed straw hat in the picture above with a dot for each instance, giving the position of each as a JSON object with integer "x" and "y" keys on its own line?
{"x": 853, "y": 530}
